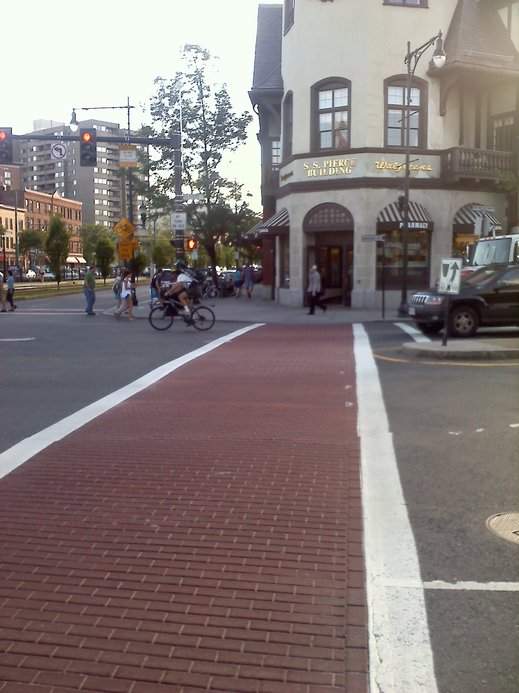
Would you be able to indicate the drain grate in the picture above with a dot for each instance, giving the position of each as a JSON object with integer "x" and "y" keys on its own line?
{"x": 505, "y": 525}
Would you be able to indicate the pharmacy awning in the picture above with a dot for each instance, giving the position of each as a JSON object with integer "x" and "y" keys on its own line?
{"x": 469, "y": 215}
{"x": 391, "y": 217}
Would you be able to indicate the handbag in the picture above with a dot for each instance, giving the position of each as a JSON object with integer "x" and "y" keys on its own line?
{"x": 135, "y": 302}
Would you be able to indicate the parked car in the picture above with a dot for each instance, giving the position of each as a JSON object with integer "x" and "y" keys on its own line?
{"x": 488, "y": 297}
{"x": 49, "y": 276}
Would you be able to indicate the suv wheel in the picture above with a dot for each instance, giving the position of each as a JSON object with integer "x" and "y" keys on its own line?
{"x": 464, "y": 321}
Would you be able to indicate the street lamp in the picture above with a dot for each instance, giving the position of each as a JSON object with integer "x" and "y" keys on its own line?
{"x": 74, "y": 127}
{"x": 3, "y": 237}
{"x": 411, "y": 60}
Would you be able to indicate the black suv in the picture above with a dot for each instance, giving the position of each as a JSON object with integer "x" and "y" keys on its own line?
{"x": 488, "y": 297}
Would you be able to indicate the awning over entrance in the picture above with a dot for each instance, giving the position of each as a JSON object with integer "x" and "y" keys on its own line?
{"x": 279, "y": 220}
{"x": 471, "y": 213}
{"x": 419, "y": 217}
{"x": 75, "y": 260}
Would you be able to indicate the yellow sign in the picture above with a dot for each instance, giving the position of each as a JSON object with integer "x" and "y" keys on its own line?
{"x": 124, "y": 229}
{"x": 125, "y": 249}
{"x": 329, "y": 167}
{"x": 128, "y": 156}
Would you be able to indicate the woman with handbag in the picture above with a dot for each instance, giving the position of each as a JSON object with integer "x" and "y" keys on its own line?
{"x": 126, "y": 296}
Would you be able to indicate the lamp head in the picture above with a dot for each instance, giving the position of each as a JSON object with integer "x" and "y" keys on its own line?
{"x": 439, "y": 55}
{"x": 73, "y": 121}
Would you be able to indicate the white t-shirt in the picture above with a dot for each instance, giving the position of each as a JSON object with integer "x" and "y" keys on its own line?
{"x": 185, "y": 278}
{"x": 126, "y": 288}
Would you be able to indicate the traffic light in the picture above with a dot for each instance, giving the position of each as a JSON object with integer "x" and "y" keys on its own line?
{"x": 191, "y": 244}
{"x": 88, "y": 147}
{"x": 6, "y": 146}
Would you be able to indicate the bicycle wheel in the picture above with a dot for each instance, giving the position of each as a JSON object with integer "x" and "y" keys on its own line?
{"x": 160, "y": 317}
{"x": 202, "y": 318}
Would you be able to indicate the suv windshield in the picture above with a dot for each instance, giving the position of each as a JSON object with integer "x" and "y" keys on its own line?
{"x": 480, "y": 277}
{"x": 495, "y": 250}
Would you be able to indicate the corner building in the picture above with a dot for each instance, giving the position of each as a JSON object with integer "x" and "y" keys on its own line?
{"x": 329, "y": 88}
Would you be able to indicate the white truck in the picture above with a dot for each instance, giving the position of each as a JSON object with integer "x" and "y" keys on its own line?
{"x": 494, "y": 249}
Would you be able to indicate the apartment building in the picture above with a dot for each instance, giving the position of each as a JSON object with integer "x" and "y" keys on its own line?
{"x": 101, "y": 188}
{"x": 330, "y": 90}
{"x": 10, "y": 218}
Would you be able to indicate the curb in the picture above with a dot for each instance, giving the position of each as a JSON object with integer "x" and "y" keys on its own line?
{"x": 486, "y": 352}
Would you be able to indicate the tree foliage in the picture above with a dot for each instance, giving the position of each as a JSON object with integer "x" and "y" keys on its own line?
{"x": 56, "y": 245}
{"x": 104, "y": 254}
{"x": 30, "y": 239}
{"x": 90, "y": 235}
{"x": 162, "y": 253}
{"x": 211, "y": 130}
{"x": 137, "y": 264}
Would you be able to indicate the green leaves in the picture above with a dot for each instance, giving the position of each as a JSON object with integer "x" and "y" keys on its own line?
{"x": 56, "y": 245}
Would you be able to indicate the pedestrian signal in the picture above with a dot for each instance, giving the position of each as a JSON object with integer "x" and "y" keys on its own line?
{"x": 191, "y": 244}
{"x": 6, "y": 146}
{"x": 88, "y": 147}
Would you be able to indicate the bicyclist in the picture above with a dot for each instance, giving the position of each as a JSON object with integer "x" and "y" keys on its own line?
{"x": 179, "y": 288}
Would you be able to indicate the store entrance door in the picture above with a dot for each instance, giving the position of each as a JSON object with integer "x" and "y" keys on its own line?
{"x": 335, "y": 263}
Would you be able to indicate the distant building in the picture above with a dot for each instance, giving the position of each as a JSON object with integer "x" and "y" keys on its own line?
{"x": 11, "y": 177}
{"x": 9, "y": 218}
{"x": 330, "y": 91}
{"x": 101, "y": 189}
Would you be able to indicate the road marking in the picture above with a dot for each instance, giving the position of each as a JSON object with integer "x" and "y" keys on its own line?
{"x": 514, "y": 425}
{"x": 18, "y": 339}
{"x": 455, "y": 433}
{"x": 16, "y": 455}
{"x": 438, "y": 362}
{"x": 412, "y": 331}
{"x": 400, "y": 652}
{"x": 468, "y": 585}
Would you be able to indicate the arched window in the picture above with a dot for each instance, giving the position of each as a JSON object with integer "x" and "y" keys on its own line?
{"x": 287, "y": 125}
{"x": 331, "y": 114}
{"x": 401, "y": 104}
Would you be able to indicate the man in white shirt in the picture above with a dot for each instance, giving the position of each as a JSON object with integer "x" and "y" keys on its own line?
{"x": 178, "y": 289}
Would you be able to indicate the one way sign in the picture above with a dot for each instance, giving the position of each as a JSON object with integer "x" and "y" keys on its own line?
{"x": 450, "y": 276}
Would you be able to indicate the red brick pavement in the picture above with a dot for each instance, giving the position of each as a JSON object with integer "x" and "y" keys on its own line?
{"x": 204, "y": 535}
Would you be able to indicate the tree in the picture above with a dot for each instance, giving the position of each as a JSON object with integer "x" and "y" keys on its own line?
{"x": 56, "y": 245}
{"x": 31, "y": 240}
{"x": 90, "y": 235}
{"x": 105, "y": 254}
{"x": 211, "y": 130}
{"x": 162, "y": 253}
{"x": 137, "y": 264}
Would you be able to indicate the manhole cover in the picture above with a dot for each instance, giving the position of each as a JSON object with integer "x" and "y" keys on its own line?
{"x": 505, "y": 525}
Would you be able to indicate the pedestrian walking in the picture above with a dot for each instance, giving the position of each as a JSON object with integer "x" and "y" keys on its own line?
{"x": 89, "y": 289}
{"x": 10, "y": 290}
{"x": 126, "y": 296}
{"x": 238, "y": 282}
{"x": 2, "y": 293}
{"x": 248, "y": 280}
{"x": 117, "y": 288}
{"x": 314, "y": 290}
{"x": 155, "y": 285}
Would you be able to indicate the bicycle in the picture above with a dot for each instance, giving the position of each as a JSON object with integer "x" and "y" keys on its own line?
{"x": 163, "y": 314}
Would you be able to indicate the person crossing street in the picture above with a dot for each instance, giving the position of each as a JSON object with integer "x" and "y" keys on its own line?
{"x": 89, "y": 289}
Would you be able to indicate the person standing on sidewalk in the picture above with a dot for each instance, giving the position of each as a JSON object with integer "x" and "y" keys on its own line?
{"x": 314, "y": 290}
{"x": 2, "y": 293}
{"x": 248, "y": 279}
{"x": 237, "y": 281}
{"x": 89, "y": 289}
{"x": 126, "y": 296}
{"x": 10, "y": 290}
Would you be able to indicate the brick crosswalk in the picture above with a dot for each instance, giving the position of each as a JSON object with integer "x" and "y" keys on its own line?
{"x": 204, "y": 535}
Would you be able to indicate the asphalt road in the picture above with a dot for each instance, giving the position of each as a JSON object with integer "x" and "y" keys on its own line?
{"x": 74, "y": 359}
{"x": 458, "y": 463}
{"x": 457, "y": 456}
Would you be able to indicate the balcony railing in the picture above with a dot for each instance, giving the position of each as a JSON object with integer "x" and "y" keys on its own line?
{"x": 483, "y": 164}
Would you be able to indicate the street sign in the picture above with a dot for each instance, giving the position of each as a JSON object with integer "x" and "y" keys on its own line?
{"x": 124, "y": 229}
{"x": 373, "y": 237}
{"x": 450, "y": 276}
{"x": 58, "y": 151}
{"x": 179, "y": 221}
{"x": 128, "y": 156}
{"x": 125, "y": 249}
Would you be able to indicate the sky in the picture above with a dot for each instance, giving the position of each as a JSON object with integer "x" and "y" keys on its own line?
{"x": 63, "y": 55}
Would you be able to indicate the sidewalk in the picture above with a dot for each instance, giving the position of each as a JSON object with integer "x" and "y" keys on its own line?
{"x": 258, "y": 309}
{"x": 204, "y": 535}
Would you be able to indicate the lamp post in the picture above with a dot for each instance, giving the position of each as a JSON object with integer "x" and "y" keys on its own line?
{"x": 74, "y": 127}
{"x": 411, "y": 60}
{"x": 3, "y": 249}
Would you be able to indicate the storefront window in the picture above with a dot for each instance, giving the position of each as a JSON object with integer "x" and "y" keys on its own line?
{"x": 418, "y": 259}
